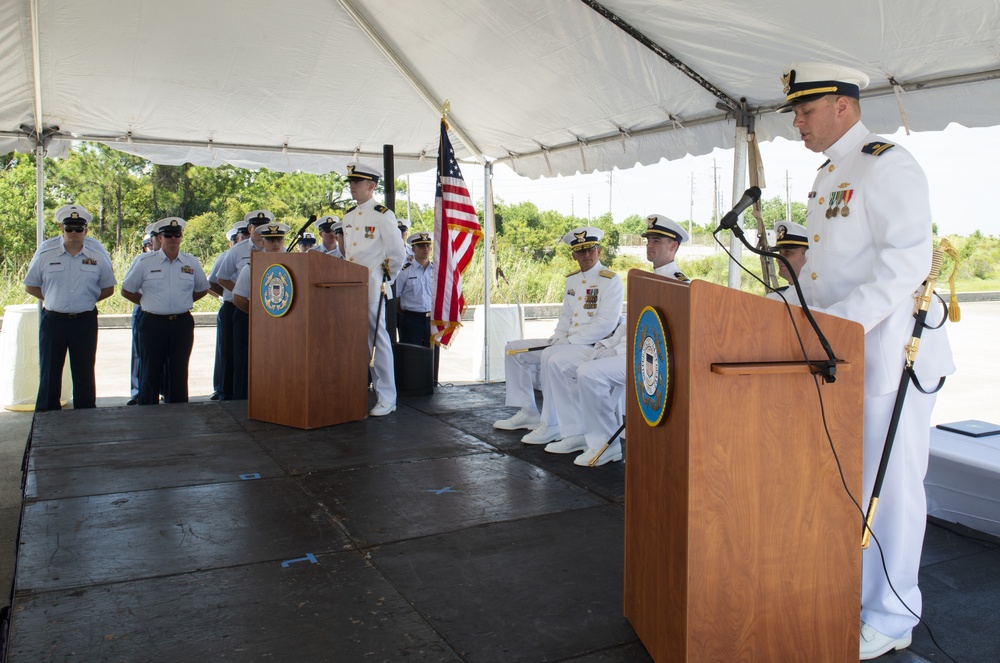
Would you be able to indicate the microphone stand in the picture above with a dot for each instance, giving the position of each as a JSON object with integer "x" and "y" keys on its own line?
{"x": 828, "y": 368}
{"x": 298, "y": 235}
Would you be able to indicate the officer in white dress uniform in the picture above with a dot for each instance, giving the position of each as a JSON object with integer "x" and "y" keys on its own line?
{"x": 790, "y": 241}
{"x": 592, "y": 306}
{"x": 868, "y": 224}
{"x": 371, "y": 239}
{"x": 329, "y": 244}
{"x": 70, "y": 277}
{"x": 165, "y": 284}
{"x": 589, "y": 395}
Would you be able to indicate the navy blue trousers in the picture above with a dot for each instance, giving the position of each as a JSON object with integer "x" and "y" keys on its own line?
{"x": 57, "y": 334}
{"x": 165, "y": 343}
{"x": 136, "y": 314}
{"x": 223, "y": 379}
{"x": 241, "y": 355}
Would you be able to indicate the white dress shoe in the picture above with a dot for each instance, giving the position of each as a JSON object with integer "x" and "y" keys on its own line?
{"x": 520, "y": 420}
{"x": 874, "y": 644}
{"x": 382, "y": 409}
{"x": 543, "y": 434}
{"x": 567, "y": 445}
{"x": 613, "y": 453}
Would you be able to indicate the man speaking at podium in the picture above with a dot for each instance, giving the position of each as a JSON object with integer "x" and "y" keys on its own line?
{"x": 868, "y": 223}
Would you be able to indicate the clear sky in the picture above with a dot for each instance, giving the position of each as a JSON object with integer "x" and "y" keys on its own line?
{"x": 956, "y": 160}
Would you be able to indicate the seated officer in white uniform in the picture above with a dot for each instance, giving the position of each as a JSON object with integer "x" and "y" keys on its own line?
{"x": 414, "y": 287}
{"x": 329, "y": 240}
{"x": 589, "y": 396}
{"x": 371, "y": 239}
{"x": 592, "y": 305}
{"x": 70, "y": 278}
{"x": 166, "y": 284}
{"x": 791, "y": 243}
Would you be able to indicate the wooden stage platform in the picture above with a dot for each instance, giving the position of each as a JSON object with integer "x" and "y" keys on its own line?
{"x": 191, "y": 533}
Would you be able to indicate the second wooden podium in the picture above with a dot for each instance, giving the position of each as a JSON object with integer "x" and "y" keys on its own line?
{"x": 741, "y": 541}
{"x": 308, "y": 339}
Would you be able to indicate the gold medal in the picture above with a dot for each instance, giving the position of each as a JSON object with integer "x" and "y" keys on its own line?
{"x": 847, "y": 198}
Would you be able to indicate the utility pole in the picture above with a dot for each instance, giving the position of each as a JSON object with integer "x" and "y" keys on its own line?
{"x": 611, "y": 180}
{"x": 408, "y": 200}
{"x": 715, "y": 195}
{"x": 588, "y": 208}
{"x": 691, "y": 205}
{"x": 788, "y": 200}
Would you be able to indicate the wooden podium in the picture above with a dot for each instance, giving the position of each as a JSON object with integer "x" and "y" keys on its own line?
{"x": 308, "y": 367}
{"x": 741, "y": 543}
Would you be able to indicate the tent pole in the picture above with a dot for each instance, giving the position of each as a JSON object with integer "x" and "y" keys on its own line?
{"x": 487, "y": 244}
{"x": 39, "y": 195}
{"x": 739, "y": 185}
{"x": 411, "y": 78}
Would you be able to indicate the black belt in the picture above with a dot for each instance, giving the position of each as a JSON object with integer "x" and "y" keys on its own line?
{"x": 70, "y": 316}
{"x": 172, "y": 316}
{"x": 426, "y": 314}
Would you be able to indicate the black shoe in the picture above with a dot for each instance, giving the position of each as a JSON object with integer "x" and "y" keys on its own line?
{"x": 215, "y": 397}
{"x": 133, "y": 401}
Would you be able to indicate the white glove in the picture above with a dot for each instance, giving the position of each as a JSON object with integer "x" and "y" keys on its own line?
{"x": 559, "y": 340}
{"x": 600, "y": 352}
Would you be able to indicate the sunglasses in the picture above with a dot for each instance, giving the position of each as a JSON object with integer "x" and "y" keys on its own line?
{"x": 75, "y": 229}
{"x": 171, "y": 233}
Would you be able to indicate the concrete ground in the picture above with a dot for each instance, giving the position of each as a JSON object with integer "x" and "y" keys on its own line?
{"x": 971, "y": 393}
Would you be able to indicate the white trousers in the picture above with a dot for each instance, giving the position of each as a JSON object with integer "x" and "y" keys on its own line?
{"x": 588, "y": 396}
{"x": 562, "y": 396}
{"x": 901, "y": 514}
{"x": 383, "y": 372}
{"x": 524, "y": 369}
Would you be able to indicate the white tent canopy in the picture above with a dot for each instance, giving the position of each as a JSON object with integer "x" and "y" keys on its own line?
{"x": 549, "y": 86}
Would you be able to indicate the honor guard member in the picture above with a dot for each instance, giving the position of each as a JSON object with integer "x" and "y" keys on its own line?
{"x": 868, "y": 223}
{"x": 592, "y": 306}
{"x": 329, "y": 240}
{"x": 371, "y": 239}
{"x": 273, "y": 235}
{"x": 306, "y": 243}
{"x": 70, "y": 278}
{"x": 790, "y": 242}
{"x": 414, "y": 288}
{"x": 587, "y": 394}
{"x": 90, "y": 243}
{"x": 222, "y": 379}
{"x": 229, "y": 270}
{"x": 165, "y": 284}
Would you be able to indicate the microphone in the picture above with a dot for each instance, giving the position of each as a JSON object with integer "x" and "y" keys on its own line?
{"x": 729, "y": 221}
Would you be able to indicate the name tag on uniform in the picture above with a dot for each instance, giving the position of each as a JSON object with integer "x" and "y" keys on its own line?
{"x": 54, "y": 263}
{"x": 187, "y": 269}
{"x": 155, "y": 271}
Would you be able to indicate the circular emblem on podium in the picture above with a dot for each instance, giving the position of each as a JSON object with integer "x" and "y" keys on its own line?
{"x": 651, "y": 366}
{"x": 276, "y": 291}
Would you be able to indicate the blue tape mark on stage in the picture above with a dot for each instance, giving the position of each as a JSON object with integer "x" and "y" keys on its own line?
{"x": 308, "y": 558}
{"x": 446, "y": 489}
{"x": 248, "y": 477}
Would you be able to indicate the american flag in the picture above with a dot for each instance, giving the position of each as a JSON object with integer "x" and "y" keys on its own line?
{"x": 456, "y": 233}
